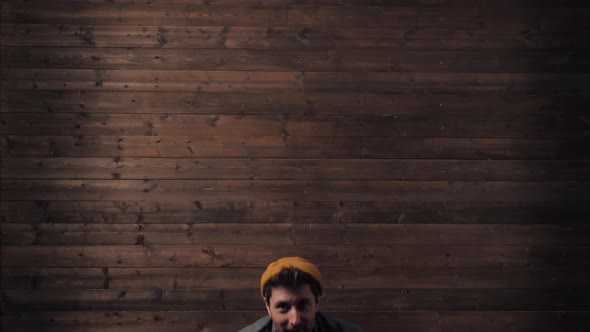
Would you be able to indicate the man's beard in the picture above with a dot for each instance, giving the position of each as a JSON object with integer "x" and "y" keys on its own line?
{"x": 300, "y": 328}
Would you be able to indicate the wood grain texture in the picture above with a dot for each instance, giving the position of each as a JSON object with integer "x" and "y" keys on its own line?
{"x": 437, "y": 191}
{"x": 289, "y": 169}
{"x": 118, "y": 278}
{"x": 295, "y": 234}
{"x": 293, "y": 147}
{"x": 264, "y": 16}
{"x": 295, "y": 81}
{"x": 293, "y": 126}
{"x": 431, "y": 156}
{"x": 297, "y": 60}
{"x": 289, "y": 103}
{"x": 325, "y": 256}
{"x": 295, "y": 37}
{"x": 150, "y": 80}
{"x": 279, "y": 212}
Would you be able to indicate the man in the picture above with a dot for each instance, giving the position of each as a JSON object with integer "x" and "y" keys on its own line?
{"x": 290, "y": 289}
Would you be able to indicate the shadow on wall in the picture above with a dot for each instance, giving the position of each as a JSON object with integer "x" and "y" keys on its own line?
{"x": 559, "y": 73}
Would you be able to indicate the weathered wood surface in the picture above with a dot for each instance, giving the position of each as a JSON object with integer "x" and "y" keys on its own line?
{"x": 321, "y": 147}
{"x": 289, "y": 169}
{"x": 431, "y": 156}
{"x": 336, "y": 278}
{"x": 281, "y": 3}
{"x": 453, "y": 17}
{"x": 288, "y": 103}
{"x": 295, "y": 60}
{"x": 320, "y": 190}
{"x": 280, "y": 212}
{"x": 295, "y": 234}
{"x": 442, "y": 256}
{"x": 284, "y": 37}
{"x": 153, "y": 80}
{"x": 294, "y": 81}
{"x": 384, "y": 3}
{"x": 293, "y": 126}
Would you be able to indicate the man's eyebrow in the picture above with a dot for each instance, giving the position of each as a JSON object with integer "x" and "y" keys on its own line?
{"x": 283, "y": 303}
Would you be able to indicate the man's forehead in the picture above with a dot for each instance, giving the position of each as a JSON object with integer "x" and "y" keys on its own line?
{"x": 285, "y": 294}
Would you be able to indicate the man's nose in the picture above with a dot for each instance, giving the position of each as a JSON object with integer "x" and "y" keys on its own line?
{"x": 294, "y": 317}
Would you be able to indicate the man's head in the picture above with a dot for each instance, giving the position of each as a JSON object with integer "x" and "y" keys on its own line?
{"x": 291, "y": 288}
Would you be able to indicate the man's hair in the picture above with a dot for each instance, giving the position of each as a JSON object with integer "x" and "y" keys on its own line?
{"x": 292, "y": 278}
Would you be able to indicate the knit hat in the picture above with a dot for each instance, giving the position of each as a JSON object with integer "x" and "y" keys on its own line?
{"x": 297, "y": 262}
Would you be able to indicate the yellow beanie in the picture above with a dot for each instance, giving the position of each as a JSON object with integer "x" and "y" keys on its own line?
{"x": 297, "y": 262}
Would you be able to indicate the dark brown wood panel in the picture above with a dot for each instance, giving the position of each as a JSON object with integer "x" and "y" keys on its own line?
{"x": 296, "y": 233}
{"x": 324, "y": 212}
{"x": 324, "y": 255}
{"x": 288, "y": 103}
{"x": 150, "y": 80}
{"x": 284, "y": 37}
{"x": 293, "y": 147}
{"x": 430, "y": 156}
{"x": 244, "y": 81}
{"x": 297, "y": 126}
{"x": 324, "y": 190}
{"x": 466, "y": 17}
{"x": 289, "y": 169}
{"x": 548, "y": 84}
{"x": 247, "y": 278}
{"x": 383, "y": 3}
{"x": 298, "y": 60}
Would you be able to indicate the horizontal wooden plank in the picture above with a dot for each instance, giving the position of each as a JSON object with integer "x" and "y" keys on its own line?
{"x": 295, "y": 125}
{"x": 547, "y": 84}
{"x": 150, "y": 80}
{"x": 206, "y": 14}
{"x": 337, "y": 278}
{"x": 299, "y": 169}
{"x": 322, "y": 255}
{"x": 293, "y": 15}
{"x": 156, "y": 321}
{"x": 322, "y": 212}
{"x": 319, "y": 190}
{"x": 286, "y": 103}
{"x": 295, "y": 234}
{"x": 198, "y": 14}
{"x": 297, "y": 60}
{"x": 293, "y": 147}
{"x": 420, "y": 3}
{"x": 334, "y": 299}
{"x": 296, "y": 37}
{"x": 244, "y": 81}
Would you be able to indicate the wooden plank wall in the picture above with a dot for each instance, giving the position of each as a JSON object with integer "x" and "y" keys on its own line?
{"x": 431, "y": 156}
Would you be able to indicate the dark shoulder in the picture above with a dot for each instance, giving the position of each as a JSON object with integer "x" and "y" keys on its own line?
{"x": 261, "y": 325}
{"x": 325, "y": 323}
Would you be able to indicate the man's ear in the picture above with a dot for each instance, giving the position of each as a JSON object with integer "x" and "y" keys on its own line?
{"x": 266, "y": 304}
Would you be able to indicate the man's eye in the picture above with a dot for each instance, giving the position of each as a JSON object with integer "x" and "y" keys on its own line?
{"x": 304, "y": 306}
